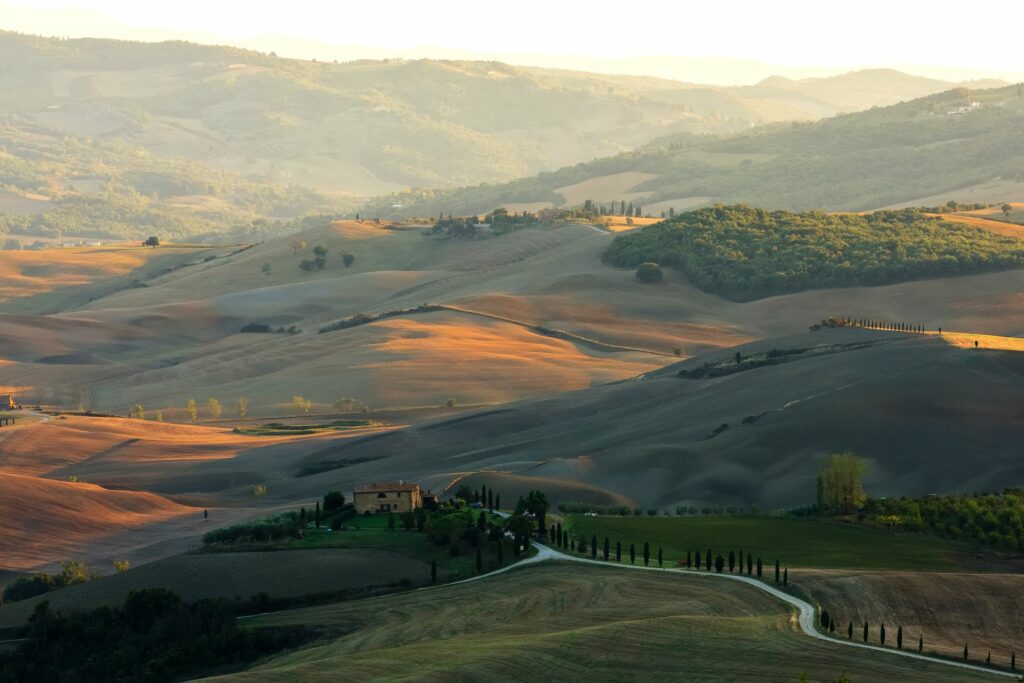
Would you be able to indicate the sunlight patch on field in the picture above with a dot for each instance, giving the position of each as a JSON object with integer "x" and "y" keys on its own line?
{"x": 965, "y": 340}
{"x": 24, "y": 273}
{"x": 996, "y": 226}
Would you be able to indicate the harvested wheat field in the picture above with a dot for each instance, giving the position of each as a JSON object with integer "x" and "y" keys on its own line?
{"x": 947, "y": 610}
{"x": 61, "y": 519}
{"x": 980, "y": 221}
{"x": 576, "y": 624}
{"x": 239, "y": 575}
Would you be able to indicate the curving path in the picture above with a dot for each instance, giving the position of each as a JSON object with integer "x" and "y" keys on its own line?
{"x": 806, "y": 611}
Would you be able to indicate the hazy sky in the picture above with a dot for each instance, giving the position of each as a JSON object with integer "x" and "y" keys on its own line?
{"x": 976, "y": 36}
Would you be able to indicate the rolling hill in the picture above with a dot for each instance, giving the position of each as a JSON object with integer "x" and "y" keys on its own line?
{"x": 950, "y": 144}
{"x": 122, "y": 139}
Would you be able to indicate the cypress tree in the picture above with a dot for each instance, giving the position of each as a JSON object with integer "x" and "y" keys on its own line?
{"x": 501, "y": 553}
{"x": 483, "y": 494}
{"x": 1013, "y": 661}
{"x": 572, "y": 544}
{"x": 647, "y": 554}
{"x": 965, "y": 652}
{"x": 823, "y": 618}
{"x": 899, "y": 638}
{"x": 750, "y": 565}
{"x": 316, "y": 517}
{"x": 689, "y": 557}
{"x": 490, "y": 499}
{"x": 618, "y": 551}
{"x": 831, "y": 625}
{"x": 479, "y": 561}
{"x": 607, "y": 548}
{"x": 881, "y": 635}
{"x": 759, "y": 568}
{"x": 776, "y": 571}
{"x": 739, "y": 562}
{"x": 732, "y": 561}
{"x": 433, "y": 571}
{"x": 497, "y": 502}
{"x": 865, "y": 631}
{"x": 593, "y": 547}
{"x": 785, "y": 576}
{"x": 719, "y": 564}
{"x": 849, "y": 631}
{"x": 551, "y": 533}
{"x": 661, "y": 558}
{"x": 988, "y": 658}
{"x": 481, "y": 521}
{"x": 632, "y": 553}
{"x": 707, "y": 561}
{"x": 920, "y": 644}
{"x": 302, "y": 517}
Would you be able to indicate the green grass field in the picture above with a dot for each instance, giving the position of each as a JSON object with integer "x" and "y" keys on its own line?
{"x": 794, "y": 541}
{"x": 372, "y": 532}
{"x": 574, "y": 623}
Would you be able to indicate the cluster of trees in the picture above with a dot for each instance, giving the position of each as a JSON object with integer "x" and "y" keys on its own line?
{"x": 570, "y": 507}
{"x": 498, "y": 221}
{"x": 366, "y": 318}
{"x": 995, "y": 520}
{"x": 744, "y": 253}
{"x": 318, "y": 261}
{"x": 263, "y": 328}
{"x": 331, "y": 512}
{"x": 71, "y": 572}
{"x": 155, "y": 636}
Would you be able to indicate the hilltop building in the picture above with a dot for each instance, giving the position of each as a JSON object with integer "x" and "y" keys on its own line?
{"x": 388, "y": 497}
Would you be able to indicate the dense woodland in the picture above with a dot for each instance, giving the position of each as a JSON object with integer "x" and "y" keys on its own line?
{"x": 994, "y": 519}
{"x": 743, "y": 253}
{"x": 153, "y": 637}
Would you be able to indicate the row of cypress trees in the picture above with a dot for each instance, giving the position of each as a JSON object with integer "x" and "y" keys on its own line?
{"x": 828, "y": 623}
{"x": 562, "y": 539}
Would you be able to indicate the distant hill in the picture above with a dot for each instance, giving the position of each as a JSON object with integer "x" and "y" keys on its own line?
{"x": 942, "y": 144}
{"x": 244, "y": 135}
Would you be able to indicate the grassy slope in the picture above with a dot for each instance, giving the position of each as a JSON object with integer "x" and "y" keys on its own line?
{"x": 575, "y": 624}
{"x": 795, "y": 542}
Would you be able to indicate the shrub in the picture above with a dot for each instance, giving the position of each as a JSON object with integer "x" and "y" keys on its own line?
{"x": 649, "y": 273}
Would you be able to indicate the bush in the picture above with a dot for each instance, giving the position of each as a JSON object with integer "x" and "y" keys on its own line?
{"x": 283, "y": 525}
{"x": 649, "y": 273}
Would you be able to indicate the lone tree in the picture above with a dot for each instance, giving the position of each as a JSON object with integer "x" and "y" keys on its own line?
{"x": 649, "y": 273}
{"x": 966, "y": 652}
{"x": 865, "y": 631}
{"x": 243, "y": 407}
{"x": 301, "y": 404}
{"x": 647, "y": 554}
{"x": 152, "y": 241}
{"x": 632, "y": 553}
{"x": 839, "y": 484}
{"x": 214, "y": 407}
{"x": 191, "y": 408}
{"x": 849, "y": 631}
{"x": 348, "y": 259}
{"x": 1006, "y": 209}
{"x": 138, "y": 412}
{"x": 607, "y": 548}
{"x": 776, "y": 571}
{"x": 899, "y": 638}
{"x": 920, "y": 644}
{"x": 881, "y": 635}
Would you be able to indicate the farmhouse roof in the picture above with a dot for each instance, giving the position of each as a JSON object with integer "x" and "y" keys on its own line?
{"x": 377, "y": 486}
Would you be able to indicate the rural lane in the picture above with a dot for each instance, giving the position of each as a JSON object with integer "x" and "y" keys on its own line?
{"x": 806, "y": 611}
